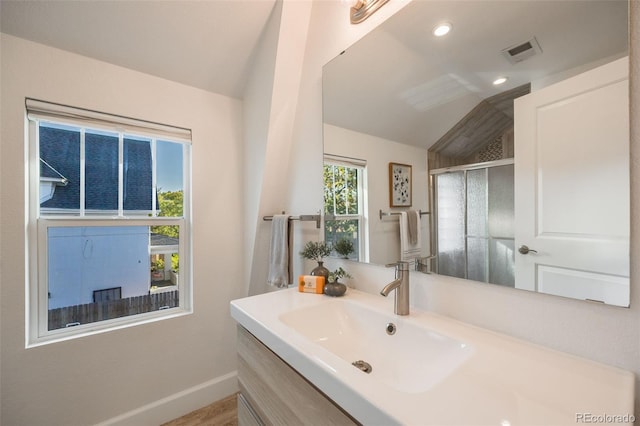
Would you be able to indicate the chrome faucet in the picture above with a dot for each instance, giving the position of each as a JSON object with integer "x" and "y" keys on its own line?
{"x": 401, "y": 286}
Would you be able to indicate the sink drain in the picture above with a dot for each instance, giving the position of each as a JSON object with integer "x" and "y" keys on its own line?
{"x": 363, "y": 365}
{"x": 390, "y": 328}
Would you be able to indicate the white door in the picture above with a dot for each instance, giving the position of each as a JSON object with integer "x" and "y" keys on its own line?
{"x": 572, "y": 186}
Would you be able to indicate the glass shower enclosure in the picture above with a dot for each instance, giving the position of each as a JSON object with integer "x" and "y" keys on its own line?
{"x": 474, "y": 221}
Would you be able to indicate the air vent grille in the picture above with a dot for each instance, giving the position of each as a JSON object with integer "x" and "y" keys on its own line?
{"x": 522, "y": 51}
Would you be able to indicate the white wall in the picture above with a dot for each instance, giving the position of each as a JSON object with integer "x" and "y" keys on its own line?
{"x": 175, "y": 365}
{"x": 270, "y": 168}
{"x": 603, "y": 333}
{"x": 384, "y": 235}
{"x": 256, "y": 109}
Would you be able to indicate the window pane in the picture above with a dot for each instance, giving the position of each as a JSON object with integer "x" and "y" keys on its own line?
{"x": 329, "y": 193}
{"x": 137, "y": 172}
{"x": 165, "y": 258}
{"x": 100, "y": 273}
{"x": 352, "y": 190}
{"x": 341, "y": 190}
{"x": 101, "y": 171}
{"x": 169, "y": 169}
{"x": 59, "y": 178}
{"x": 346, "y": 193}
{"x": 169, "y": 165}
{"x": 336, "y": 230}
{"x": 341, "y": 197}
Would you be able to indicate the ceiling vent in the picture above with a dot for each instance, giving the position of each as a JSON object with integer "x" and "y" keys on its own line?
{"x": 521, "y": 51}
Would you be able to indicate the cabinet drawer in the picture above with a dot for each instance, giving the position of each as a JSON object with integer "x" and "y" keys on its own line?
{"x": 246, "y": 415}
{"x": 278, "y": 394}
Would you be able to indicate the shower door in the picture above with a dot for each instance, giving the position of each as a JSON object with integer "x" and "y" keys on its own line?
{"x": 474, "y": 218}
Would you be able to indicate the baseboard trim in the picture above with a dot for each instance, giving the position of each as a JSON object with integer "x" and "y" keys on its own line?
{"x": 178, "y": 404}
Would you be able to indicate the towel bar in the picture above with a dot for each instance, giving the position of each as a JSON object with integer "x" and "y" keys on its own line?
{"x": 398, "y": 213}
{"x": 303, "y": 217}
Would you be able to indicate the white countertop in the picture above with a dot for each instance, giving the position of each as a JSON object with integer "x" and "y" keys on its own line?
{"x": 505, "y": 382}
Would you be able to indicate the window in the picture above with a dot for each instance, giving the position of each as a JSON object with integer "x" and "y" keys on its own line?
{"x": 109, "y": 226}
{"x": 344, "y": 196}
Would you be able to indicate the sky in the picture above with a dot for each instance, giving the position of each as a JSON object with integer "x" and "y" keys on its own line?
{"x": 169, "y": 177}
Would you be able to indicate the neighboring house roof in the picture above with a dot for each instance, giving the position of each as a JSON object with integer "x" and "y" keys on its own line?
{"x": 163, "y": 240}
{"x": 60, "y": 155}
{"x": 163, "y": 244}
{"x": 50, "y": 174}
{"x": 50, "y": 178}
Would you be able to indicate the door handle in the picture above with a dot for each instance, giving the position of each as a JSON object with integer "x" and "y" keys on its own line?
{"x": 526, "y": 250}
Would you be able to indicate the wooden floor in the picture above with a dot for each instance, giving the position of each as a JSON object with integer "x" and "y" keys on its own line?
{"x": 220, "y": 413}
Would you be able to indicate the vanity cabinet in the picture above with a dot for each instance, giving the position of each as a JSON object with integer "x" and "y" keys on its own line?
{"x": 273, "y": 393}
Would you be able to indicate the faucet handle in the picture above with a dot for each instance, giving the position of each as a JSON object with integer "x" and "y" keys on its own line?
{"x": 400, "y": 265}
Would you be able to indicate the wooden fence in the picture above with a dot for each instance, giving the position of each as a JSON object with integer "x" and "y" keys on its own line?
{"x": 100, "y": 311}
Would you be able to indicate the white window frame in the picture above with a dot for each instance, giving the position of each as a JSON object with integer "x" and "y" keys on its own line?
{"x": 362, "y": 218}
{"x": 37, "y": 332}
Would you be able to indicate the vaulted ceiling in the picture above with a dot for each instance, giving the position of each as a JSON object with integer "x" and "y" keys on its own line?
{"x": 393, "y": 72}
{"x": 205, "y": 44}
{"x": 401, "y": 83}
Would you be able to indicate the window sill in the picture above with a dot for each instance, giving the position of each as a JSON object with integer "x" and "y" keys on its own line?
{"x": 65, "y": 334}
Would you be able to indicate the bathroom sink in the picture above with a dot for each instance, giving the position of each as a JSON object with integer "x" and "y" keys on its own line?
{"x": 433, "y": 371}
{"x": 414, "y": 359}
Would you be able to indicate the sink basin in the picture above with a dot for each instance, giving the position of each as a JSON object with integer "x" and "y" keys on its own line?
{"x": 415, "y": 359}
{"x": 433, "y": 371}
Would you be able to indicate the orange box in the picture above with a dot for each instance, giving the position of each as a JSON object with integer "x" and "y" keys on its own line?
{"x": 311, "y": 284}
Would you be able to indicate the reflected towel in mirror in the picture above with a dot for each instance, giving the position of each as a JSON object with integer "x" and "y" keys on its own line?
{"x": 413, "y": 218}
{"x": 410, "y": 250}
{"x": 279, "y": 252}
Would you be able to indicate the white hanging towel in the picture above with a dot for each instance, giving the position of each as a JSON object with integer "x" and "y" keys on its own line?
{"x": 279, "y": 252}
{"x": 410, "y": 235}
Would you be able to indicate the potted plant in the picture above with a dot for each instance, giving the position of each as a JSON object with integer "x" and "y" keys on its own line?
{"x": 175, "y": 268}
{"x": 334, "y": 276}
{"x": 344, "y": 247}
{"x": 333, "y": 287}
{"x": 317, "y": 250}
{"x": 157, "y": 269}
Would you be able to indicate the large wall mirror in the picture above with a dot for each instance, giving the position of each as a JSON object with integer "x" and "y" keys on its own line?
{"x": 504, "y": 141}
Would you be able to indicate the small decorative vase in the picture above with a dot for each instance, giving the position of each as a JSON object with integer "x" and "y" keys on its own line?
{"x": 335, "y": 289}
{"x": 321, "y": 271}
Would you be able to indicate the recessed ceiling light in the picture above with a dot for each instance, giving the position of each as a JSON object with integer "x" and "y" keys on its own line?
{"x": 442, "y": 29}
{"x": 500, "y": 80}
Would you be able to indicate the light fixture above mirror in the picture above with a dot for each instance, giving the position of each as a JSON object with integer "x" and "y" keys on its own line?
{"x": 362, "y": 9}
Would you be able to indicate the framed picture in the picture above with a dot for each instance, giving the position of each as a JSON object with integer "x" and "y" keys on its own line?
{"x": 399, "y": 185}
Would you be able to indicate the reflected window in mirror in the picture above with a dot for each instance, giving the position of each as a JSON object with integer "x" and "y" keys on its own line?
{"x": 344, "y": 225}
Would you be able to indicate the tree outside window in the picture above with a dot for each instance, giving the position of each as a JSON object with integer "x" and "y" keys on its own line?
{"x": 343, "y": 205}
